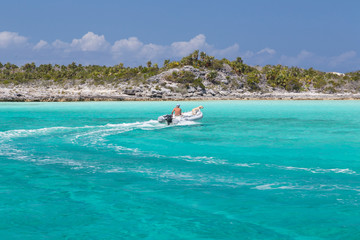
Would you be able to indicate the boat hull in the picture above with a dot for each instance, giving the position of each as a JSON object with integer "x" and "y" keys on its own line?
{"x": 187, "y": 116}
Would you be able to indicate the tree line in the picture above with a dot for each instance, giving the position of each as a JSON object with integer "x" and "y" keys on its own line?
{"x": 277, "y": 76}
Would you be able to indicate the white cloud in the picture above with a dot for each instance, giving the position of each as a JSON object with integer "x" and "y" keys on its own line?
{"x": 92, "y": 48}
{"x": 41, "y": 45}
{"x": 152, "y": 51}
{"x": 297, "y": 60}
{"x": 125, "y": 45}
{"x": 181, "y": 49}
{"x": 90, "y": 42}
{"x": 335, "y": 61}
{"x": 232, "y": 51}
{"x": 8, "y": 39}
{"x": 267, "y": 51}
{"x": 60, "y": 44}
{"x": 132, "y": 48}
{"x": 248, "y": 54}
{"x": 260, "y": 56}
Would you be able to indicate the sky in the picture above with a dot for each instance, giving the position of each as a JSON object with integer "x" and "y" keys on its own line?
{"x": 323, "y": 34}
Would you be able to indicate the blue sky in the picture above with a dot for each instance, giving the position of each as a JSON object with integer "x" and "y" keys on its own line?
{"x": 318, "y": 33}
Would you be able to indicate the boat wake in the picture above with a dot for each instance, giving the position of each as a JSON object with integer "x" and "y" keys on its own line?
{"x": 14, "y": 144}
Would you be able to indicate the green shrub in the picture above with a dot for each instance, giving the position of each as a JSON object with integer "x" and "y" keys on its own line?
{"x": 293, "y": 84}
{"x": 329, "y": 90}
{"x": 253, "y": 79}
{"x": 185, "y": 77}
{"x": 319, "y": 82}
{"x": 181, "y": 77}
{"x": 211, "y": 76}
{"x": 198, "y": 83}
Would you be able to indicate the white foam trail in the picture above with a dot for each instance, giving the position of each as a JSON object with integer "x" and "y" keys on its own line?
{"x": 9, "y": 148}
{"x": 166, "y": 175}
{"x": 264, "y": 187}
{"x": 17, "y": 133}
{"x": 314, "y": 187}
{"x": 187, "y": 123}
{"x": 187, "y": 158}
{"x": 95, "y": 136}
{"x": 246, "y": 164}
{"x": 21, "y": 155}
{"x": 202, "y": 159}
{"x": 98, "y": 136}
{"x": 10, "y": 134}
{"x": 101, "y": 130}
{"x": 315, "y": 170}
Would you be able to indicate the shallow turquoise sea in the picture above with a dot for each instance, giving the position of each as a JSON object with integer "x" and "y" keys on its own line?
{"x": 247, "y": 170}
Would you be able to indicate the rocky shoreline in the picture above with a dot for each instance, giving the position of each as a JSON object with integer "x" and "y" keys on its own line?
{"x": 224, "y": 86}
{"x": 72, "y": 95}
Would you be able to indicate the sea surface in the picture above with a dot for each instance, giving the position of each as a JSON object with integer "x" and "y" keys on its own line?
{"x": 247, "y": 170}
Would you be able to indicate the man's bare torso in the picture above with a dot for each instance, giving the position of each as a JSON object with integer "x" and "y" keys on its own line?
{"x": 177, "y": 111}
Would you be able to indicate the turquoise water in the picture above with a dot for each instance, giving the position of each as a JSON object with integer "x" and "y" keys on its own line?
{"x": 247, "y": 170}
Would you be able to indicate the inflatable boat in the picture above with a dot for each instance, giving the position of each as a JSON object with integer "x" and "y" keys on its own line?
{"x": 187, "y": 116}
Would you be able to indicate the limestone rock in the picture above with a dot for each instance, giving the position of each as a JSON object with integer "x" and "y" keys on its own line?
{"x": 211, "y": 92}
{"x": 226, "y": 69}
{"x": 224, "y": 93}
{"x": 129, "y": 91}
{"x": 199, "y": 93}
{"x": 191, "y": 89}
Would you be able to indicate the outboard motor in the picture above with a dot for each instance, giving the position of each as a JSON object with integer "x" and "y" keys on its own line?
{"x": 168, "y": 118}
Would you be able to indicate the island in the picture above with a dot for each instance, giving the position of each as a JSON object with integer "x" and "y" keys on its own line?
{"x": 197, "y": 76}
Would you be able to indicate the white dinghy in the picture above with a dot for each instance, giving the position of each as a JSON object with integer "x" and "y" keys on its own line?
{"x": 187, "y": 116}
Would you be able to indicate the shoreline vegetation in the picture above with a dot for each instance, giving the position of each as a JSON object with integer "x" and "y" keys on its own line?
{"x": 195, "y": 77}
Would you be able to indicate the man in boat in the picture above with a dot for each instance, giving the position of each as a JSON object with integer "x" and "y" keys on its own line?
{"x": 196, "y": 110}
{"x": 177, "y": 110}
